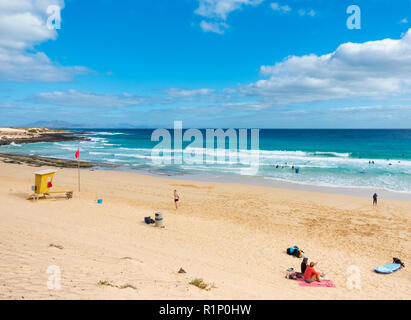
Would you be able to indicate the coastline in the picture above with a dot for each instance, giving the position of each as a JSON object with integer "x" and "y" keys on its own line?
{"x": 366, "y": 192}
{"x": 233, "y": 235}
{"x": 38, "y": 161}
{"x": 33, "y": 135}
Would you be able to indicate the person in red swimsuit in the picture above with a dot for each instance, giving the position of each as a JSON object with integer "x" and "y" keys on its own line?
{"x": 310, "y": 275}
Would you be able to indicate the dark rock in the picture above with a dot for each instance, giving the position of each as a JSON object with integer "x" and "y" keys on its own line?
{"x": 36, "y": 161}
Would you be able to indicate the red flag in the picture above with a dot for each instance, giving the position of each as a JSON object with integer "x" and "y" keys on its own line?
{"x": 78, "y": 153}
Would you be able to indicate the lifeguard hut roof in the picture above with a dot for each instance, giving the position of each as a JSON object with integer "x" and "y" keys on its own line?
{"x": 47, "y": 171}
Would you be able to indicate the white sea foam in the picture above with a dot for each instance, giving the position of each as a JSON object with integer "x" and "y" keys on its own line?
{"x": 103, "y": 133}
{"x": 339, "y": 184}
{"x": 336, "y": 154}
{"x": 114, "y": 160}
{"x": 99, "y": 153}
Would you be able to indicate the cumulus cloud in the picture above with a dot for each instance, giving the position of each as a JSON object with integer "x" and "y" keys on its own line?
{"x": 23, "y": 24}
{"x": 217, "y": 11}
{"x": 374, "y": 69}
{"x": 281, "y": 8}
{"x": 22, "y": 66}
{"x": 216, "y": 27}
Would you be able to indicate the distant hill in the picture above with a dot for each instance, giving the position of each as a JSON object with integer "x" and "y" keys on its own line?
{"x": 57, "y": 124}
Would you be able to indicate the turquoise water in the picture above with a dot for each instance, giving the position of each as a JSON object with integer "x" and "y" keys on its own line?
{"x": 339, "y": 158}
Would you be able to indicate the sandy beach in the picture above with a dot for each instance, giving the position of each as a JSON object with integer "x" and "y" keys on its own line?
{"x": 272, "y": 124}
{"x": 233, "y": 236}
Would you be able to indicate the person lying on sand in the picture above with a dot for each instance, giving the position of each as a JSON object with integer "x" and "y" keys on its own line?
{"x": 310, "y": 275}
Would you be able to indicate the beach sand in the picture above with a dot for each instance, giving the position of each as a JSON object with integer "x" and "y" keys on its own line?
{"x": 231, "y": 235}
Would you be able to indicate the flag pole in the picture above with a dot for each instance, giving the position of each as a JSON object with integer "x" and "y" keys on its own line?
{"x": 78, "y": 169}
{"x": 78, "y": 166}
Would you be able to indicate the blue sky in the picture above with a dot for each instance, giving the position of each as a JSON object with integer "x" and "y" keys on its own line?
{"x": 209, "y": 63}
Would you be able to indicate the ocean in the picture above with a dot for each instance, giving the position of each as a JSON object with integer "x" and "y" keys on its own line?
{"x": 372, "y": 159}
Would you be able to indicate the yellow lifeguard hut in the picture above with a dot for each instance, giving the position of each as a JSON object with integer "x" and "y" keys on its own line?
{"x": 43, "y": 183}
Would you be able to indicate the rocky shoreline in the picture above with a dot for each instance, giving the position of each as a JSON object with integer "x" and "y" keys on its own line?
{"x": 32, "y": 135}
{"x": 50, "y": 137}
{"x": 36, "y": 161}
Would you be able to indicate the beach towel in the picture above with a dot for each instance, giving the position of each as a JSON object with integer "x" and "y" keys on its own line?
{"x": 325, "y": 283}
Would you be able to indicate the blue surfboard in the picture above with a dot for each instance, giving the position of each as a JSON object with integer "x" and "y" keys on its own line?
{"x": 388, "y": 268}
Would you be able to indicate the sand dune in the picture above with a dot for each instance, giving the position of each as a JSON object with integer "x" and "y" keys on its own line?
{"x": 233, "y": 236}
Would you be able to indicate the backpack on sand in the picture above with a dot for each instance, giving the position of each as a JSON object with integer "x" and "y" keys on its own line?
{"x": 295, "y": 251}
{"x": 396, "y": 260}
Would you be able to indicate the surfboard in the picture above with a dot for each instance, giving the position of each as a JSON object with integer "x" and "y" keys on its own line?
{"x": 388, "y": 268}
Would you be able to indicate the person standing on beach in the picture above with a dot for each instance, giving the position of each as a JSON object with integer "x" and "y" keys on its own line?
{"x": 176, "y": 198}
{"x": 374, "y": 199}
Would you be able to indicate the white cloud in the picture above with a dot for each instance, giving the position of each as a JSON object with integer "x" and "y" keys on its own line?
{"x": 308, "y": 12}
{"x": 405, "y": 21}
{"x": 20, "y": 66}
{"x": 6, "y": 105}
{"x": 74, "y": 98}
{"x": 281, "y": 8}
{"x": 278, "y": 7}
{"x": 370, "y": 108}
{"x": 217, "y": 12}
{"x": 221, "y": 8}
{"x": 374, "y": 69}
{"x": 23, "y": 24}
{"x": 216, "y": 27}
{"x": 311, "y": 13}
{"x": 175, "y": 92}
